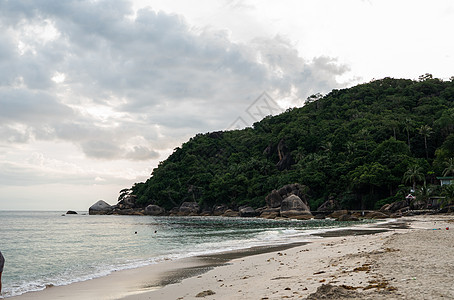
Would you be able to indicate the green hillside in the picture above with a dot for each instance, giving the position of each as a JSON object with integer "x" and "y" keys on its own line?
{"x": 363, "y": 146}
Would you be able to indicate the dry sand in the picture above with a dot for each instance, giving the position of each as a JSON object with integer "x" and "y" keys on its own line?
{"x": 416, "y": 263}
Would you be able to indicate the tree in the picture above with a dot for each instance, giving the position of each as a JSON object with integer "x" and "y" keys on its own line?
{"x": 425, "y": 77}
{"x": 425, "y": 131}
{"x": 423, "y": 195}
{"x": 413, "y": 174}
{"x": 351, "y": 148}
{"x": 448, "y": 193}
{"x": 449, "y": 167}
{"x": 408, "y": 127}
{"x": 369, "y": 176}
{"x": 365, "y": 134}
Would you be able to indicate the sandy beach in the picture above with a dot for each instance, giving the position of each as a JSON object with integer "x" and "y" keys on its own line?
{"x": 412, "y": 259}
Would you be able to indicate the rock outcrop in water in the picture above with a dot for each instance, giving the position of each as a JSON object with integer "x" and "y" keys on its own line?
{"x": 100, "y": 208}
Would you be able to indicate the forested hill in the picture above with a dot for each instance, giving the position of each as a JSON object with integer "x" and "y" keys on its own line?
{"x": 362, "y": 146}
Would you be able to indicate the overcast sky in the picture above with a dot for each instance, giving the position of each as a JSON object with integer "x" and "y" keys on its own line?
{"x": 93, "y": 94}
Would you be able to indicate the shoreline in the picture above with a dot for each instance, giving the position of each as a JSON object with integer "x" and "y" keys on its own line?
{"x": 163, "y": 273}
{"x": 290, "y": 270}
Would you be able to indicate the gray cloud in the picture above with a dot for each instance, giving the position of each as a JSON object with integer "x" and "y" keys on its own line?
{"x": 145, "y": 71}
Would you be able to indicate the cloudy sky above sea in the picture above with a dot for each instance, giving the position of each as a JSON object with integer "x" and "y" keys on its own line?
{"x": 93, "y": 94}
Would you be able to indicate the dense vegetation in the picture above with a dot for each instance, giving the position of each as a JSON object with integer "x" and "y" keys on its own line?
{"x": 363, "y": 146}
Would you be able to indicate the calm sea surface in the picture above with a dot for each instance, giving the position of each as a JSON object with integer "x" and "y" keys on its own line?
{"x": 46, "y": 248}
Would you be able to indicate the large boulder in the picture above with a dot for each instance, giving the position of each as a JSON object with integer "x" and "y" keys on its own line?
{"x": 154, "y": 210}
{"x": 395, "y": 206}
{"x": 294, "y": 189}
{"x": 293, "y": 202}
{"x": 247, "y": 211}
{"x": 285, "y": 158}
{"x": 188, "y": 208}
{"x": 219, "y": 210}
{"x": 127, "y": 202}
{"x": 273, "y": 199}
{"x": 100, "y": 208}
{"x": 294, "y": 207}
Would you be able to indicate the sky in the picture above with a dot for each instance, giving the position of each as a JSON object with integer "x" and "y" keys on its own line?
{"x": 94, "y": 94}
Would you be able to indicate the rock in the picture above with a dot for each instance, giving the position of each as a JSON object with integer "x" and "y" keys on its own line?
{"x": 129, "y": 212}
{"x": 154, "y": 210}
{"x": 230, "y": 213}
{"x": 100, "y": 208}
{"x": 273, "y": 199}
{"x": 376, "y": 215}
{"x": 294, "y": 189}
{"x": 338, "y": 213}
{"x": 285, "y": 158}
{"x": 71, "y": 212}
{"x": 294, "y": 207}
{"x": 205, "y": 293}
{"x": 282, "y": 149}
{"x": 328, "y": 291}
{"x": 297, "y": 215}
{"x": 347, "y": 217}
{"x": 174, "y": 211}
{"x": 128, "y": 201}
{"x": 319, "y": 217}
{"x": 293, "y": 202}
{"x": 188, "y": 208}
{"x": 219, "y": 210}
{"x": 285, "y": 163}
{"x": 385, "y": 207}
{"x": 270, "y": 213}
{"x": 247, "y": 212}
{"x": 395, "y": 206}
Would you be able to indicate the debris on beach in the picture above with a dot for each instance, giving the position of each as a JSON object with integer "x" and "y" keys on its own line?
{"x": 205, "y": 293}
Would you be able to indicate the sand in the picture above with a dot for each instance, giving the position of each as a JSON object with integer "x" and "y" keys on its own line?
{"x": 400, "y": 263}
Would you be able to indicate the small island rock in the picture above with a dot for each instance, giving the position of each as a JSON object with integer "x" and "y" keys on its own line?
{"x": 100, "y": 208}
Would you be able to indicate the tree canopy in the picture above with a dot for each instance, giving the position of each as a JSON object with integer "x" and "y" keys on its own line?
{"x": 357, "y": 145}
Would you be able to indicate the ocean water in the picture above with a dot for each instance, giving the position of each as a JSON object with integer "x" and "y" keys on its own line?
{"x": 48, "y": 248}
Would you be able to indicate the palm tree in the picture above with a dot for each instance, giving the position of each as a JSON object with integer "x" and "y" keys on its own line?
{"x": 327, "y": 147}
{"x": 408, "y": 127}
{"x": 449, "y": 167}
{"x": 425, "y": 131}
{"x": 351, "y": 148}
{"x": 423, "y": 194}
{"x": 448, "y": 192}
{"x": 365, "y": 134}
{"x": 413, "y": 174}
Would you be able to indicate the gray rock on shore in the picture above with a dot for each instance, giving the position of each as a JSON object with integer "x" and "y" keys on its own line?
{"x": 293, "y": 207}
{"x": 154, "y": 210}
{"x": 100, "y": 208}
{"x": 188, "y": 209}
{"x": 247, "y": 212}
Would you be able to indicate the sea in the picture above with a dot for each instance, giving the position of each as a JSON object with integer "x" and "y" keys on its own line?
{"x": 51, "y": 248}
